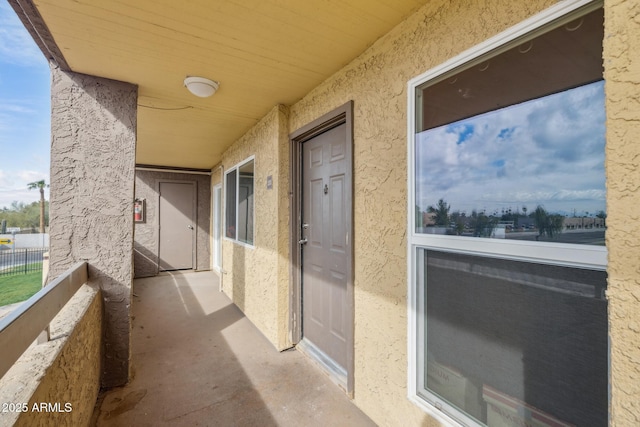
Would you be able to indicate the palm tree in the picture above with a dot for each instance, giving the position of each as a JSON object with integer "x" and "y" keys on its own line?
{"x": 40, "y": 185}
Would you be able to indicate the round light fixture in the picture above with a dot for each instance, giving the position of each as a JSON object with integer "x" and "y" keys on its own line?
{"x": 199, "y": 86}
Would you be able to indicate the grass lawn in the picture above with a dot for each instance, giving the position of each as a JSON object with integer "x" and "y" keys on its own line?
{"x": 19, "y": 287}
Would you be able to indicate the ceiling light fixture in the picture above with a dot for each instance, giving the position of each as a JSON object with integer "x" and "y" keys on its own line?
{"x": 199, "y": 86}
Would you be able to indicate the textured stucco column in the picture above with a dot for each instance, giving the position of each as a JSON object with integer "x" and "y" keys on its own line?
{"x": 93, "y": 129}
{"x": 622, "y": 88}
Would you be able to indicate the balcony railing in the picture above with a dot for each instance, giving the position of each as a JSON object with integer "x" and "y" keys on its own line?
{"x": 22, "y": 326}
{"x": 21, "y": 261}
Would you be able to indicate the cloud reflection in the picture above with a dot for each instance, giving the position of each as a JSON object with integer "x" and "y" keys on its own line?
{"x": 548, "y": 151}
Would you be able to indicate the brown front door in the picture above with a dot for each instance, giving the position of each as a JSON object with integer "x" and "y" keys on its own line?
{"x": 177, "y": 225}
{"x": 325, "y": 269}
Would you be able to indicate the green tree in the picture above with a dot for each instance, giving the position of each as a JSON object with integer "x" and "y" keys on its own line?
{"x": 482, "y": 224}
{"x": 547, "y": 224}
{"x": 459, "y": 221}
{"x": 441, "y": 211}
{"x": 40, "y": 185}
{"x": 24, "y": 216}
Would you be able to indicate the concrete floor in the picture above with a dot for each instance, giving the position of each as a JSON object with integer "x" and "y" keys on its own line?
{"x": 197, "y": 361}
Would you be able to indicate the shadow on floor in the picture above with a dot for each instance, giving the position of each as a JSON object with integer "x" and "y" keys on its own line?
{"x": 197, "y": 361}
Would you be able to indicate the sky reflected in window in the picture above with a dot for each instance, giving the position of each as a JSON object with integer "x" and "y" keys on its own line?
{"x": 546, "y": 152}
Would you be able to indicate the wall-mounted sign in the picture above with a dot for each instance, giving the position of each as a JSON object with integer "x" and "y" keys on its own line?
{"x": 269, "y": 182}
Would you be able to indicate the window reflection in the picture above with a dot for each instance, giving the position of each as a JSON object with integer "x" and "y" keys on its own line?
{"x": 245, "y": 204}
{"x": 530, "y": 171}
{"x": 516, "y": 343}
{"x": 230, "y": 219}
{"x": 239, "y": 203}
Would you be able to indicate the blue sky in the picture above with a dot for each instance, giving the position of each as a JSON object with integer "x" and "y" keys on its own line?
{"x": 25, "y": 130}
{"x": 549, "y": 152}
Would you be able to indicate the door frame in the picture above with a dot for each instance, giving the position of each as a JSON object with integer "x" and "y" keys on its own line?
{"x": 194, "y": 239}
{"x": 337, "y": 117}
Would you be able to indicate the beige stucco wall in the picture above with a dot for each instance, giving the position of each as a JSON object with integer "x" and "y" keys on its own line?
{"x": 65, "y": 370}
{"x": 257, "y": 277}
{"x": 376, "y": 82}
{"x": 622, "y": 88}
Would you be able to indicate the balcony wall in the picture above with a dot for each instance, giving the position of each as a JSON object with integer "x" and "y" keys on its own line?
{"x": 62, "y": 374}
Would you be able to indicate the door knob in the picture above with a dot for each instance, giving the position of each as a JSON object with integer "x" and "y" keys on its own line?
{"x": 303, "y": 241}
{"x": 190, "y": 227}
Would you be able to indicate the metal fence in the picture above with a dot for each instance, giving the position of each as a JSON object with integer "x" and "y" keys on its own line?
{"x": 21, "y": 261}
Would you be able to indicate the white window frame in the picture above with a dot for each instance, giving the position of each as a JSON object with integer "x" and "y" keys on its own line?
{"x": 236, "y": 168}
{"x": 216, "y": 226}
{"x": 580, "y": 256}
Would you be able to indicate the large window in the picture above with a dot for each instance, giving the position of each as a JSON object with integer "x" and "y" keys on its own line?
{"x": 239, "y": 202}
{"x": 507, "y": 223}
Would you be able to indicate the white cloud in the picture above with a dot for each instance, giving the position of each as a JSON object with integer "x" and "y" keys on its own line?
{"x": 14, "y": 114}
{"x": 549, "y": 151}
{"x": 31, "y": 176}
{"x": 16, "y": 45}
{"x": 14, "y": 107}
{"x": 13, "y": 186}
{"x": 5, "y": 180}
